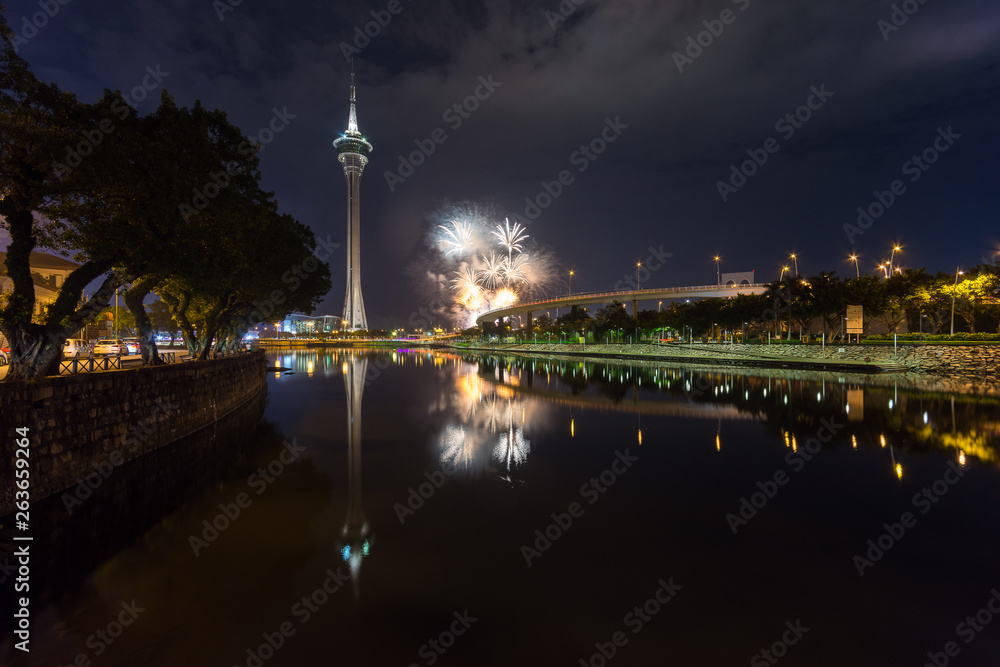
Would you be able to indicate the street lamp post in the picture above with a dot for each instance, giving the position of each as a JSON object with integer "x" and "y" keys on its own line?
{"x": 718, "y": 272}
{"x": 638, "y": 281}
{"x": 571, "y": 283}
{"x": 782, "y": 277}
{"x": 958, "y": 272}
{"x": 892, "y": 257}
{"x": 795, "y": 259}
{"x": 856, "y": 269}
{"x": 789, "y": 337}
{"x": 660, "y": 305}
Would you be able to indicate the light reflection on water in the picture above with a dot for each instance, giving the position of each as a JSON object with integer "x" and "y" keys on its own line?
{"x": 518, "y": 436}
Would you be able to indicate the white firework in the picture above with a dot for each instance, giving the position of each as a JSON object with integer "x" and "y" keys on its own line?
{"x": 510, "y": 237}
{"x": 491, "y": 275}
{"x": 515, "y": 270}
{"x": 457, "y": 240}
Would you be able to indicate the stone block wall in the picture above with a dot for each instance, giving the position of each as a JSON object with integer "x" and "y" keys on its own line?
{"x": 81, "y": 424}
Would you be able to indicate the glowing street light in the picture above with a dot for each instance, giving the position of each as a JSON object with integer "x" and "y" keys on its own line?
{"x": 795, "y": 259}
{"x": 571, "y": 283}
{"x": 718, "y": 272}
{"x": 958, "y": 272}
{"x": 895, "y": 248}
{"x": 783, "y": 269}
{"x": 638, "y": 281}
{"x": 854, "y": 258}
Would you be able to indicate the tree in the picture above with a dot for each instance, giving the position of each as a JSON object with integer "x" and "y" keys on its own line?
{"x": 976, "y": 296}
{"x": 577, "y": 319}
{"x": 41, "y": 128}
{"x": 611, "y": 318}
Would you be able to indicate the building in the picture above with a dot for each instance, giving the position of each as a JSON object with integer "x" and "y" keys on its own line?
{"x": 352, "y": 152}
{"x": 48, "y": 272}
{"x": 310, "y": 325}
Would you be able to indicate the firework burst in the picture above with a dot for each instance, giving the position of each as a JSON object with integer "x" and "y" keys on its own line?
{"x": 510, "y": 237}
{"x": 456, "y": 239}
{"x": 479, "y": 264}
{"x": 491, "y": 276}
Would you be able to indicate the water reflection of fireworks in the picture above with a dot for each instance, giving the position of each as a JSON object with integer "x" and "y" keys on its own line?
{"x": 489, "y": 429}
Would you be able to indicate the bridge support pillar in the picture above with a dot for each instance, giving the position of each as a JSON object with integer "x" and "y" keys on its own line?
{"x": 529, "y": 323}
{"x": 635, "y": 310}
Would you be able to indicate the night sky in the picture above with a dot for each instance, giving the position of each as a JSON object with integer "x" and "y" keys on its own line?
{"x": 884, "y": 85}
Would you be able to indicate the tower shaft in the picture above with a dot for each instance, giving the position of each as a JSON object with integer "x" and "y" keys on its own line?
{"x": 354, "y": 304}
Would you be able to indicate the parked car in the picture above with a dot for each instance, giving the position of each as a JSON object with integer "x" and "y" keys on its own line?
{"x": 110, "y": 347}
{"x": 132, "y": 344}
{"x": 74, "y": 348}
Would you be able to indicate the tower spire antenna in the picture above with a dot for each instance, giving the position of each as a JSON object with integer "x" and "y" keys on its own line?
{"x": 352, "y": 80}
{"x": 352, "y": 120}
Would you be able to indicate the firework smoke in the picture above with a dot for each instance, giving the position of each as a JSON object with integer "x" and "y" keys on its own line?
{"x": 481, "y": 261}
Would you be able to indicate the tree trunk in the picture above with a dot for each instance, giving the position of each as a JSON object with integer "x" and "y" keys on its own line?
{"x": 147, "y": 336}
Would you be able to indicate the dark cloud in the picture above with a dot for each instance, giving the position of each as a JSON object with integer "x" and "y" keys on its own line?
{"x": 560, "y": 81}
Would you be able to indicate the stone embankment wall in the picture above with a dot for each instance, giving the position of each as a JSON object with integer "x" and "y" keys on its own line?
{"x": 79, "y": 424}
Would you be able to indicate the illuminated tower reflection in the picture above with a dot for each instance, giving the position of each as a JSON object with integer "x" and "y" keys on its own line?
{"x": 356, "y": 533}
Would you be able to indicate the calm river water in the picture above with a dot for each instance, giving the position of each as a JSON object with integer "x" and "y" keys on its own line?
{"x": 428, "y": 508}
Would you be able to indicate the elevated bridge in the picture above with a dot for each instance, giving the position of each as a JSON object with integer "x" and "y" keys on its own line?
{"x": 635, "y": 296}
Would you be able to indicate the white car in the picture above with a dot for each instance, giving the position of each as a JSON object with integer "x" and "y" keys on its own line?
{"x": 132, "y": 345}
{"x": 74, "y": 348}
{"x": 110, "y": 347}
